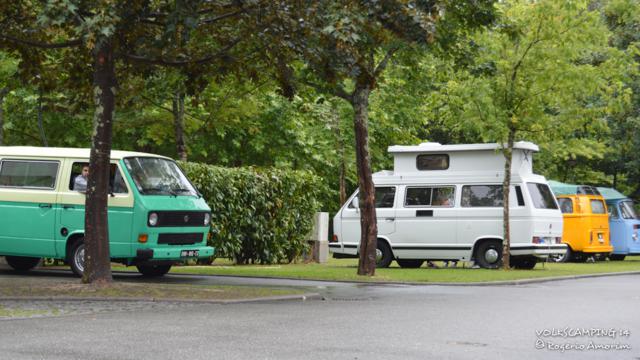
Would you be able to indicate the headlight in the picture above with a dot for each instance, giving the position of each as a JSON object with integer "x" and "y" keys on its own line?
{"x": 207, "y": 219}
{"x": 153, "y": 219}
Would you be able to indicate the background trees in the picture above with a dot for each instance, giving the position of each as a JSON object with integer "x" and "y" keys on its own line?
{"x": 283, "y": 84}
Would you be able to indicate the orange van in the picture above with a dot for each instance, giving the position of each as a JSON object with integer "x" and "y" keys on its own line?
{"x": 586, "y": 225}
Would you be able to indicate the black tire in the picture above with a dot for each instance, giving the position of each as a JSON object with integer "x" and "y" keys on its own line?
{"x": 524, "y": 262}
{"x": 384, "y": 256}
{"x": 75, "y": 257}
{"x": 617, "y": 257}
{"x": 150, "y": 270}
{"x": 22, "y": 263}
{"x": 488, "y": 254}
{"x": 410, "y": 263}
{"x": 568, "y": 256}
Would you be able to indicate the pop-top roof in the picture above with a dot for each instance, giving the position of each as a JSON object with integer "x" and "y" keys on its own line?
{"x": 560, "y": 188}
{"x": 437, "y": 147}
{"x": 611, "y": 193}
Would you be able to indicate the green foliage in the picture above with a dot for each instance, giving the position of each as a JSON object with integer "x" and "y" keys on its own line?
{"x": 258, "y": 216}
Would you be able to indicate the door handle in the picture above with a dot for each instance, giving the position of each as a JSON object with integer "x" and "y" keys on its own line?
{"x": 68, "y": 207}
{"x": 45, "y": 206}
{"x": 389, "y": 219}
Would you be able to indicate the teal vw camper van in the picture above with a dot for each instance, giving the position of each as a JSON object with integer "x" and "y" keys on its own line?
{"x": 156, "y": 216}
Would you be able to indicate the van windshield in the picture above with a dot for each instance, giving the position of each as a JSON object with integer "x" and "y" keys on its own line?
{"x": 542, "y": 197}
{"x": 156, "y": 176}
{"x": 627, "y": 211}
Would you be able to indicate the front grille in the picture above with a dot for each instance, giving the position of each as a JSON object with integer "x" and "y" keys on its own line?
{"x": 180, "y": 218}
{"x": 180, "y": 239}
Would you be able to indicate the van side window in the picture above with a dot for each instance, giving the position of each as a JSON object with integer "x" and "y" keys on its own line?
{"x": 482, "y": 196}
{"x": 78, "y": 179}
{"x": 613, "y": 211}
{"x": 597, "y": 207}
{"x": 627, "y": 210}
{"x": 566, "y": 205}
{"x": 385, "y": 197}
{"x": 519, "y": 196}
{"x": 28, "y": 174}
{"x": 429, "y": 196}
{"x": 542, "y": 196}
{"x": 432, "y": 162}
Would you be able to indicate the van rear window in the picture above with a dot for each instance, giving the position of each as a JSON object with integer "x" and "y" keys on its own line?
{"x": 597, "y": 207}
{"x": 28, "y": 174}
{"x": 541, "y": 196}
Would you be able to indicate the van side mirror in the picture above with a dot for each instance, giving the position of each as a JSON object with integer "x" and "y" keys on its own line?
{"x": 355, "y": 203}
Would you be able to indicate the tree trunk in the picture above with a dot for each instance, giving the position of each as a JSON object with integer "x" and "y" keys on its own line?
{"x": 97, "y": 259}
{"x": 506, "y": 243}
{"x": 368, "y": 225}
{"x": 178, "y": 122}
{"x": 3, "y": 93}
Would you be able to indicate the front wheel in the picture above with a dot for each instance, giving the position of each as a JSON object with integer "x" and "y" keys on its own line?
{"x": 151, "y": 270}
{"x": 489, "y": 254}
{"x": 76, "y": 257}
{"x": 22, "y": 263}
{"x": 616, "y": 257}
{"x": 384, "y": 256}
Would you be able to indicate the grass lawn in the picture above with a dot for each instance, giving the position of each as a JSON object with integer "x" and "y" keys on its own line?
{"x": 345, "y": 269}
{"x": 13, "y": 286}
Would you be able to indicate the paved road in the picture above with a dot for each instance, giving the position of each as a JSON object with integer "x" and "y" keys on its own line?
{"x": 352, "y": 322}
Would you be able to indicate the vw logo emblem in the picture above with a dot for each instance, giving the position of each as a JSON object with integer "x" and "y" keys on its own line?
{"x": 186, "y": 218}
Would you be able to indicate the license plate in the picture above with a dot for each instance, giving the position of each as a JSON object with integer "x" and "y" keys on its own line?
{"x": 600, "y": 238}
{"x": 189, "y": 253}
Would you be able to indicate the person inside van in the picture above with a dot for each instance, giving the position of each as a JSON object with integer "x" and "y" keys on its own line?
{"x": 80, "y": 182}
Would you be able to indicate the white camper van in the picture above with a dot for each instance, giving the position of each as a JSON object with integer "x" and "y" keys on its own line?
{"x": 444, "y": 202}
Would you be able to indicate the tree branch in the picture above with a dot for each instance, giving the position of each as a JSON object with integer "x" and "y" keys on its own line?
{"x": 174, "y": 63}
{"x": 383, "y": 64}
{"x": 42, "y": 45}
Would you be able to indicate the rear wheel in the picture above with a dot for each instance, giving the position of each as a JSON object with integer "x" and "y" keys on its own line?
{"x": 616, "y": 257}
{"x": 568, "y": 256}
{"x": 524, "y": 262}
{"x": 153, "y": 270}
{"x": 410, "y": 263}
{"x": 489, "y": 254}
{"x": 22, "y": 263}
{"x": 383, "y": 254}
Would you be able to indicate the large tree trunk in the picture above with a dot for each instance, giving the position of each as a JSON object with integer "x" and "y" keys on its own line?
{"x": 506, "y": 243}
{"x": 3, "y": 93}
{"x": 368, "y": 225}
{"x": 97, "y": 259}
{"x": 178, "y": 122}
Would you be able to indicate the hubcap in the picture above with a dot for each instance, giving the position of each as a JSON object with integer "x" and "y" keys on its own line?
{"x": 78, "y": 258}
{"x": 378, "y": 255}
{"x": 491, "y": 255}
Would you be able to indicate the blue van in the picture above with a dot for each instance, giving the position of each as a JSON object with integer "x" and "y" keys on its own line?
{"x": 624, "y": 224}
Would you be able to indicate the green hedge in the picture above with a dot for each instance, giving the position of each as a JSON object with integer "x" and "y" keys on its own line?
{"x": 257, "y": 216}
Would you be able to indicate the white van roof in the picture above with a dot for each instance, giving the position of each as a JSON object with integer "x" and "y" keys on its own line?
{"x": 434, "y": 147}
{"x": 53, "y": 152}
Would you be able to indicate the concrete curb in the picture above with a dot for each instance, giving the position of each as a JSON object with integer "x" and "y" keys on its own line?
{"x": 487, "y": 283}
{"x": 301, "y": 297}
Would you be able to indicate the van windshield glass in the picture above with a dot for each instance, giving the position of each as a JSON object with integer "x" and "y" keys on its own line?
{"x": 542, "y": 197}
{"x": 627, "y": 211}
{"x": 155, "y": 176}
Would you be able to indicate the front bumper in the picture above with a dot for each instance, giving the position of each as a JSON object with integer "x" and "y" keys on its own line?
{"x": 171, "y": 254}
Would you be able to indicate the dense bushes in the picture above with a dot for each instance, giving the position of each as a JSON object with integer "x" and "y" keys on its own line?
{"x": 257, "y": 216}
